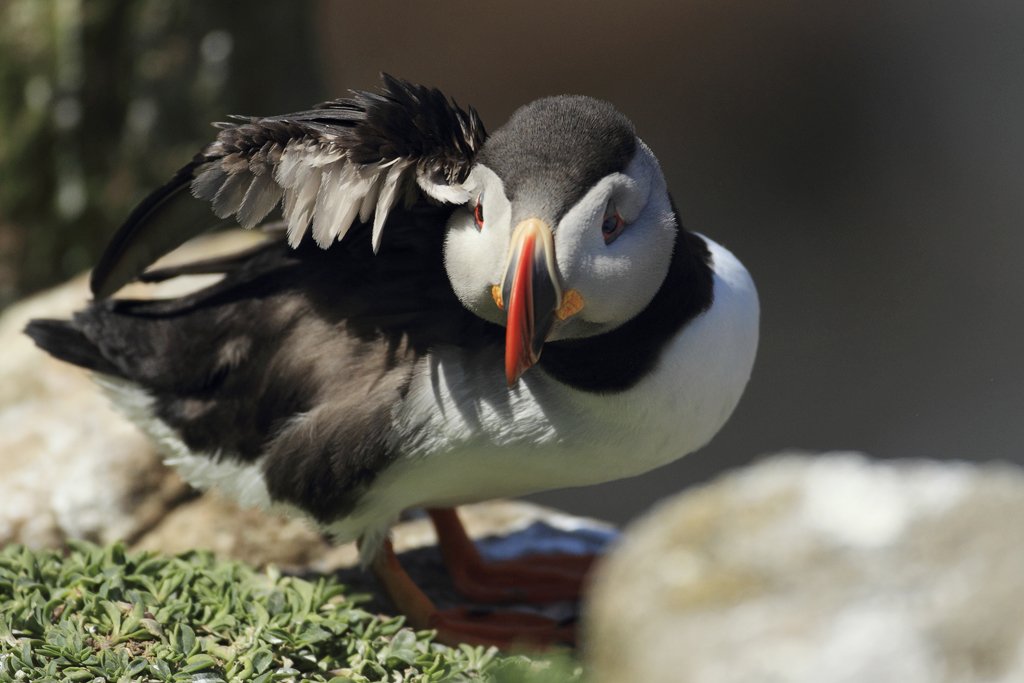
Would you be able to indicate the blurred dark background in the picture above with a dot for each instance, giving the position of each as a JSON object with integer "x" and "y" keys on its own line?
{"x": 865, "y": 161}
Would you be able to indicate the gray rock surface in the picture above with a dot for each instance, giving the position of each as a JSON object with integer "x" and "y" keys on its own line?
{"x": 72, "y": 466}
{"x": 826, "y": 569}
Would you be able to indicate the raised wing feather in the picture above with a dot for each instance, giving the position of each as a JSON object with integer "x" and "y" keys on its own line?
{"x": 345, "y": 160}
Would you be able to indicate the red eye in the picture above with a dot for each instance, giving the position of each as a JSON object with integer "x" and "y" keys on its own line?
{"x": 478, "y": 213}
{"x": 612, "y": 226}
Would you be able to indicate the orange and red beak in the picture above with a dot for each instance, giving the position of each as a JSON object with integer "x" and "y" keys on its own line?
{"x": 531, "y": 294}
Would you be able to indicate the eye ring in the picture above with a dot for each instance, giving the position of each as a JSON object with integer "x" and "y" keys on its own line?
{"x": 612, "y": 225}
{"x": 478, "y": 212}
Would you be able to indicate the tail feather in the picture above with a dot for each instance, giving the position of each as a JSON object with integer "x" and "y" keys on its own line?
{"x": 63, "y": 340}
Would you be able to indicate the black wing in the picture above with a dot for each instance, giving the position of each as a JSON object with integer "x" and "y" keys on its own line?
{"x": 345, "y": 159}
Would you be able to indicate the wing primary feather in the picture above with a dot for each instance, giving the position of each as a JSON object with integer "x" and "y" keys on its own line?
{"x": 304, "y": 193}
{"x": 260, "y": 199}
{"x": 167, "y": 218}
{"x": 326, "y": 207}
{"x": 366, "y": 207}
{"x": 388, "y": 193}
{"x": 290, "y": 167}
{"x": 208, "y": 180}
{"x": 230, "y": 195}
{"x": 351, "y": 190}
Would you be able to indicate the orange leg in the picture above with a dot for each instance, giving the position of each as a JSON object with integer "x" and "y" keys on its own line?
{"x": 532, "y": 578}
{"x": 460, "y": 625}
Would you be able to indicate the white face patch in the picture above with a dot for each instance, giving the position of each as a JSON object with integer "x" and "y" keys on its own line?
{"x": 475, "y": 257}
{"x": 616, "y": 280}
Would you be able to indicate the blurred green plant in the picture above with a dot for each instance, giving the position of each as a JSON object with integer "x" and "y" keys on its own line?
{"x": 104, "y": 614}
{"x": 101, "y": 100}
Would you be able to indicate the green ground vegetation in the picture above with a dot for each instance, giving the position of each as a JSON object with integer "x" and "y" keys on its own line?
{"x": 103, "y": 614}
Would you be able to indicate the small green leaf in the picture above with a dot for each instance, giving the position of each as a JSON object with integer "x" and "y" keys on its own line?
{"x": 136, "y": 667}
{"x": 197, "y": 663}
{"x": 260, "y": 615}
{"x": 241, "y": 668}
{"x": 185, "y": 639}
{"x": 77, "y": 674}
{"x": 262, "y": 660}
{"x": 305, "y": 592}
{"x": 314, "y": 633}
{"x": 160, "y": 669}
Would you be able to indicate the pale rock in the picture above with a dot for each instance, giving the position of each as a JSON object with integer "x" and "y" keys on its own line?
{"x": 826, "y": 569}
{"x": 72, "y": 466}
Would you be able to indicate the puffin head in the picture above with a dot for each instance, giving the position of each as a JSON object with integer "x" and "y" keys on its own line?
{"x": 569, "y": 229}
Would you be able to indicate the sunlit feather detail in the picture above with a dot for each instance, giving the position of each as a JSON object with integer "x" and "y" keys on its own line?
{"x": 329, "y": 202}
{"x": 389, "y": 192}
{"x": 208, "y": 180}
{"x": 369, "y": 203}
{"x": 260, "y": 199}
{"x": 342, "y": 189}
{"x": 303, "y": 195}
{"x": 230, "y": 195}
{"x": 350, "y": 190}
{"x": 294, "y": 161}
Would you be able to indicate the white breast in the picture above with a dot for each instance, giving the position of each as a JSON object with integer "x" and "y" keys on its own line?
{"x": 466, "y": 438}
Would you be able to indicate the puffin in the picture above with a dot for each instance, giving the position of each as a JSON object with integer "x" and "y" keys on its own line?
{"x": 435, "y": 316}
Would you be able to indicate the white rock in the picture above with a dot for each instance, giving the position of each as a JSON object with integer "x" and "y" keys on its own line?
{"x": 821, "y": 569}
